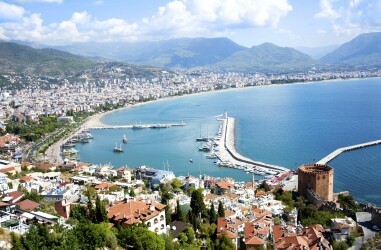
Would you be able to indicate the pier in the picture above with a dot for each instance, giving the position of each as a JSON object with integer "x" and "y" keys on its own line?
{"x": 227, "y": 144}
{"x": 338, "y": 151}
{"x": 140, "y": 126}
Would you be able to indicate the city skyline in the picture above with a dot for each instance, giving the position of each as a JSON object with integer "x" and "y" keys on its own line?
{"x": 247, "y": 22}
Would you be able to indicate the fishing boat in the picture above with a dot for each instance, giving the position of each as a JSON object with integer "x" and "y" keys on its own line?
{"x": 118, "y": 149}
{"x": 124, "y": 139}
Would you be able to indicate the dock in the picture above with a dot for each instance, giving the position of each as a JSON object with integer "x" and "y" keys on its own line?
{"x": 140, "y": 126}
{"x": 227, "y": 144}
{"x": 339, "y": 151}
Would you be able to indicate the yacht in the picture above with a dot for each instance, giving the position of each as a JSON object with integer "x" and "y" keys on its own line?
{"x": 124, "y": 139}
{"x": 118, "y": 149}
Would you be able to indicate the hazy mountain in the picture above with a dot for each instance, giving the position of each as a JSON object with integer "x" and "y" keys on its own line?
{"x": 175, "y": 53}
{"x": 24, "y": 59}
{"x": 318, "y": 52}
{"x": 266, "y": 57}
{"x": 365, "y": 49}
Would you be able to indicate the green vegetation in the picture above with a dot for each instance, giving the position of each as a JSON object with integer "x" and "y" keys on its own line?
{"x": 365, "y": 49}
{"x": 266, "y": 57}
{"x": 32, "y": 131}
{"x": 23, "y": 59}
{"x": 308, "y": 214}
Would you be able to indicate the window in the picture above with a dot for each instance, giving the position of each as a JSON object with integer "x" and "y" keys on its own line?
{"x": 161, "y": 217}
{"x": 156, "y": 221}
{"x": 149, "y": 224}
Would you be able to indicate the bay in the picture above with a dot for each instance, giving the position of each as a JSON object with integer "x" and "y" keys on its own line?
{"x": 286, "y": 125}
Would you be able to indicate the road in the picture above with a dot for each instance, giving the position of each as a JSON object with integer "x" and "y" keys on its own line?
{"x": 363, "y": 219}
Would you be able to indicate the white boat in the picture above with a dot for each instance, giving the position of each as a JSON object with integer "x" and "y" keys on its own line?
{"x": 124, "y": 139}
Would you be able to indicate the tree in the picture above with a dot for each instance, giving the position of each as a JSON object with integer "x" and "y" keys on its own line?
{"x": 91, "y": 211}
{"x": 197, "y": 204}
{"x": 132, "y": 192}
{"x": 139, "y": 237}
{"x": 100, "y": 211}
{"x": 221, "y": 209}
{"x": 265, "y": 186}
{"x": 179, "y": 214}
{"x": 16, "y": 242}
{"x": 33, "y": 196}
{"x": 176, "y": 183}
{"x": 78, "y": 212}
{"x": 89, "y": 235}
{"x": 168, "y": 215}
{"x": 223, "y": 242}
{"x": 212, "y": 214}
{"x": 189, "y": 232}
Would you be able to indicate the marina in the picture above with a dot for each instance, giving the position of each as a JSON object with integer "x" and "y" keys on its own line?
{"x": 223, "y": 148}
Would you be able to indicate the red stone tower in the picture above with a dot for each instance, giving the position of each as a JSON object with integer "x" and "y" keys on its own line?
{"x": 318, "y": 178}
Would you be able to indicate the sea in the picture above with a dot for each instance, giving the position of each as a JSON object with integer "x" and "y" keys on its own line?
{"x": 285, "y": 125}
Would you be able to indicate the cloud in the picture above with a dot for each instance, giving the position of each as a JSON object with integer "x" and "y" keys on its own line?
{"x": 81, "y": 27}
{"x": 39, "y": 1}
{"x": 177, "y": 18}
{"x": 99, "y": 2}
{"x": 181, "y": 18}
{"x": 10, "y": 11}
{"x": 351, "y": 17}
{"x": 2, "y": 36}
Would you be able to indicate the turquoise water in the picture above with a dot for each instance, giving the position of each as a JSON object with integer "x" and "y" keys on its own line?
{"x": 285, "y": 125}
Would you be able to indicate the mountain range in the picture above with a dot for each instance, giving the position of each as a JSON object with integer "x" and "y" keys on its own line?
{"x": 219, "y": 54}
{"x": 364, "y": 49}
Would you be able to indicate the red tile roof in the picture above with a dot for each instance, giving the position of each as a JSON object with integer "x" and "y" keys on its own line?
{"x": 27, "y": 205}
{"x": 134, "y": 211}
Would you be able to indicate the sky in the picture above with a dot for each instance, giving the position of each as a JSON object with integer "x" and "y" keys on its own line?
{"x": 292, "y": 23}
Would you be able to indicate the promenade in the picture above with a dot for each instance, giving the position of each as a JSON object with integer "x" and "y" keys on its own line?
{"x": 228, "y": 152}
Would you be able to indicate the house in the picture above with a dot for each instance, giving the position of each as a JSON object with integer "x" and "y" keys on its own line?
{"x": 154, "y": 176}
{"x": 256, "y": 232}
{"x": 224, "y": 186}
{"x": 230, "y": 228}
{"x": 46, "y": 166}
{"x": 27, "y": 205}
{"x": 104, "y": 186}
{"x": 133, "y": 212}
{"x": 289, "y": 237}
{"x": 342, "y": 227}
{"x": 9, "y": 167}
{"x": 13, "y": 197}
{"x": 124, "y": 172}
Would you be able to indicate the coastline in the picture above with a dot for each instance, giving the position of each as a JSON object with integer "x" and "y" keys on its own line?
{"x": 53, "y": 152}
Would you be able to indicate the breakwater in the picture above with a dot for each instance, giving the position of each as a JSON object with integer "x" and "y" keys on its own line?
{"x": 140, "y": 126}
{"x": 339, "y": 151}
{"x": 229, "y": 153}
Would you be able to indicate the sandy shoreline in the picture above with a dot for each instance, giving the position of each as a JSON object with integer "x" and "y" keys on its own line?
{"x": 53, "y": 152}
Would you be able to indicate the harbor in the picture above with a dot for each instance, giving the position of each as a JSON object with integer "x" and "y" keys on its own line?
{"x": 339, "y": 151}
{"x": 223, "y": 148}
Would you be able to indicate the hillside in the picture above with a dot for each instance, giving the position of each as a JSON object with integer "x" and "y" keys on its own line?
{"x": 175, "y": 53}
{"x": 23, "y": 59}
{"x": 365, "y": 49}
{"x": 265, "y": 58}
